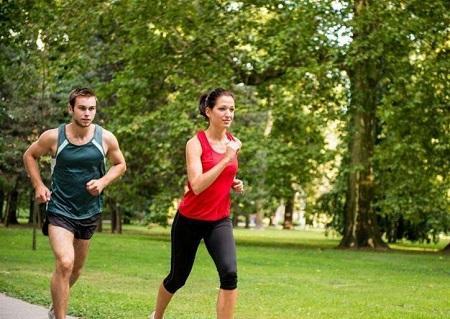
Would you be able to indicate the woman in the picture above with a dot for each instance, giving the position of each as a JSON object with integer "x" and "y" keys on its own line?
{"x": 211, "y": 160}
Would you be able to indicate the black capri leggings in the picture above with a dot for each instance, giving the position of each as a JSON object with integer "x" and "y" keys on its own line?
{"x": 186, "y": 236}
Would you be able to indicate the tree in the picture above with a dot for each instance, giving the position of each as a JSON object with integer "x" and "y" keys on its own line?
{"x": 365, "y": 72}
{"x": 389, "y": 135}
{"x": 411, "y": 158}
{"x": 284, "y": 61}
{"x": 374, "y": 70}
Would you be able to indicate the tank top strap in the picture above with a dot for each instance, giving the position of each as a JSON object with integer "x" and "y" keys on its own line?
{"x": 61, "y": 134}
{"x": 98, "y": 138}
{"x": 230, "y": 136}
{"x": 203, "y": 141}
{"x": 62, "y": 139}
{"x": 98, "y": 134}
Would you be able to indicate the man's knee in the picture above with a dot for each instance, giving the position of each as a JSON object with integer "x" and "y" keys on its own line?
{"x": 76, "y": 271}
{"x": 64, "y": 265}
{"x": 228, "y": 280}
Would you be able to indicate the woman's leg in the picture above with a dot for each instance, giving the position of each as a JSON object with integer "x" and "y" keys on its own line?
{"x": 221, "y": 246}
{"x": 226, "y": 302}
{"x": 162, "y": 301}
{"x": 186, "y": 237}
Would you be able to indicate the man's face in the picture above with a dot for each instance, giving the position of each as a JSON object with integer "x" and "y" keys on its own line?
{"x": 83, "y": 112}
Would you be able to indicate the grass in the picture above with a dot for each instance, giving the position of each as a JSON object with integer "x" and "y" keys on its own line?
{"x": 282, "y": 274}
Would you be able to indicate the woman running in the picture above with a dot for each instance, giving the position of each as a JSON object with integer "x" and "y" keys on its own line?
{"x": 211, "y": 160}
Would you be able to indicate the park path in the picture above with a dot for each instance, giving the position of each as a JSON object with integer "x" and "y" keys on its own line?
{"x": 12, "y": 308}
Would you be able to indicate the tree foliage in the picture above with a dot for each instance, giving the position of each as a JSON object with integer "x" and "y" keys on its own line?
{"x": 299, "y": 69}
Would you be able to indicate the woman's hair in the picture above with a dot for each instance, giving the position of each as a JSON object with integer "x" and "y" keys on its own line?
{"x": 210, "y": 99}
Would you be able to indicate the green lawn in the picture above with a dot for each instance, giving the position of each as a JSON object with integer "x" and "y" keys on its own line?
{"x": 282, "y": 274}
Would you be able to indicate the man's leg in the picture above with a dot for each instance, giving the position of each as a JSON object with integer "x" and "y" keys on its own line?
{"x": 61, "y": 241}
{"x": 81, "y": 249}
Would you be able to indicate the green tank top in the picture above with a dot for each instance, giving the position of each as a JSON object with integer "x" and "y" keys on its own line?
{"x": 72, "y": 167}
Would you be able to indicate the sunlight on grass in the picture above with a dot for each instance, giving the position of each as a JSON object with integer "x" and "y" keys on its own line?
{"x": 282, "y": 274}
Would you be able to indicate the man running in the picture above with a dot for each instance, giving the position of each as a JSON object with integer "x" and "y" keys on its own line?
{"x": 74, "y": 204}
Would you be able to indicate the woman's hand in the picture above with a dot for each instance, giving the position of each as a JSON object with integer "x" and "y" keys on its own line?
{"x": 232, "y": 148}
{"x": 238, "y": 185}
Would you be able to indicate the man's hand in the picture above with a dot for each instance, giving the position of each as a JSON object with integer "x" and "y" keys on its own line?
{"x": 95, "y": 187}
{"x": 42, "y": 194}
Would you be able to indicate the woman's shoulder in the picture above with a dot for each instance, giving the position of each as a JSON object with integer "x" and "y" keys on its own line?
{"x": 193, "y": 142}
{"x": 197, "y": 138}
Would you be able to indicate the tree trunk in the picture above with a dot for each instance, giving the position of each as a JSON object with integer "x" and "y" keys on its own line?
{"x": 446, "y": 249}
{"x": 100, "y": 224}
{"x": 247, "y": 221}
{"x": 271, "y": 221}
{"x": 31, "y": 208}
{"x": 6, "y": 208}
{"x": 259, "y": 215}
{"x": 234, "y": 219}
{"x": 11, "y": 212}
{"x": 35, "y": 221}
{"x": 119, "y": 221}
{"x": 2, "y": 201}
{"x": 288, "y": 213}
{"x": 360, "y": 228}
{"x": 40, "y": 212}
{"x": 235, "y": 210}
{"x": 113, "y": 220}
{"x": 116, "y": 219}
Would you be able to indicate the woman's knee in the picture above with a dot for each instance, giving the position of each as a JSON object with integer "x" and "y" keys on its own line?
{"x": 172, "y": 284}
{"x": 228, "y": 280}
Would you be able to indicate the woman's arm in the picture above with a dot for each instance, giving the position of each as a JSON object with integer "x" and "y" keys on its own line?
{"x": 198, "y": 180}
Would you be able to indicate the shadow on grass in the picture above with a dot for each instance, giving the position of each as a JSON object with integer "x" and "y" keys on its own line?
{"x": 242, "y": 242}
{"x": 145, "y": 234}
{"x": 320, "y": 244}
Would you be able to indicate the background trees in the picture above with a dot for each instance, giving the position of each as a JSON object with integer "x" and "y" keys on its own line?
{"x": 370, "y": 74}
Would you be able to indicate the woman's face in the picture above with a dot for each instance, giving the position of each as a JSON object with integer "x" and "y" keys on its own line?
{"x": 222, "y": 114}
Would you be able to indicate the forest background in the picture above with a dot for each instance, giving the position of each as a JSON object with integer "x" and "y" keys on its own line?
{"x": 343, "y": 107}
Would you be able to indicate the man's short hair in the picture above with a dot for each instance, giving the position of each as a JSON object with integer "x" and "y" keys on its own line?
{"x": 80, "y": 92}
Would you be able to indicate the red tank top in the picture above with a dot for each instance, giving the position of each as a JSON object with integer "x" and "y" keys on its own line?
{"x": 214, "y": 202}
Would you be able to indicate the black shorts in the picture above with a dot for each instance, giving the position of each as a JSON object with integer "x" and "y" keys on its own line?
{"x": 81, "y": 228}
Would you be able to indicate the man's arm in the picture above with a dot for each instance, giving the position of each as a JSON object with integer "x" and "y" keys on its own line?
{"x": 46, "y": 144}
{"x": 117, "y": 161}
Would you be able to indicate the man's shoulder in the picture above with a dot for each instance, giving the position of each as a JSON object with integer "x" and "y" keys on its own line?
{"x": 105, "y": 132}
{"x": 48, "y": 139}
{"x": 108, "y": 136}
{"x": 50, "y": 134}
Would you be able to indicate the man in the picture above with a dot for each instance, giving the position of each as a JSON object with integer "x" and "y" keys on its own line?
{"x": 74, "y": 205}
